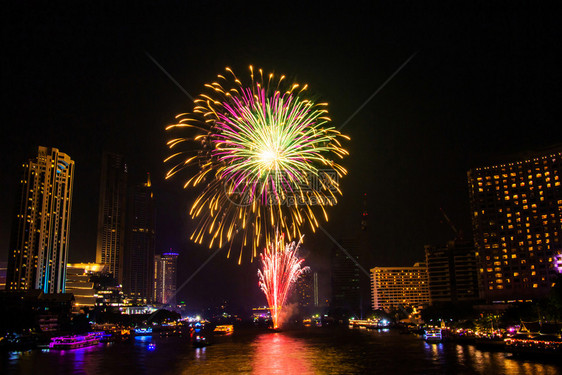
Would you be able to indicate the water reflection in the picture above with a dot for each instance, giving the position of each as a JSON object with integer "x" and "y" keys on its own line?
{"x": 435, "y": 351}
{"x": 321, "y": 351}
{"x": 200, "y": 354}
{"x": 276, "y": 353}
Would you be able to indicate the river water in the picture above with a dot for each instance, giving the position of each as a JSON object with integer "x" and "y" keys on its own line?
{"x": 306, "y": 351}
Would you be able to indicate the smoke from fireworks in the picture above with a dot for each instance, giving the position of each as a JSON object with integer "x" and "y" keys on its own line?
{"x": 281, "y": 268}
{"x": 264, "y": 156}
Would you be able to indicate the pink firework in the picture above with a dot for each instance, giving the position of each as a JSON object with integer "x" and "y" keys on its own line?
{"x": 281, "y": 268}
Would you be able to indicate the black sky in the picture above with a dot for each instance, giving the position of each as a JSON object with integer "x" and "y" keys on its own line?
{"x": 485, "y": 83}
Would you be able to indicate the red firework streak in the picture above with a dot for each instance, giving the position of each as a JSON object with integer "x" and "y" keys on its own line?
{"x": 281, "y": 268}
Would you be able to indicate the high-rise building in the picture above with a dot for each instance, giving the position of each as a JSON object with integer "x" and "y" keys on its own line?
{"x": 3, "y": 274}
{"x": 138, "y": 273}
{"x": 396, "y": 287}
{"x": 346, "y": 295}
{"x": 315, "y": 290}
{"x": 304, "y": 290}
{"x": 452, "y": 272}
{"x": 165, "y": 267}
{"x": 112, "y": 213}
{"x": 517, "y": 224}
{"x": 40, "y": 234}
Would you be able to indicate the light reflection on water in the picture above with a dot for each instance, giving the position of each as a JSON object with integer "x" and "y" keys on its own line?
{"x": 277, "y": 353}
{"x": 310, "y": 351}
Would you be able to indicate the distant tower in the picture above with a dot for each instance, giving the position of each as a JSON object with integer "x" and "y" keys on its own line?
{"x": 138, "y": 271}
{"x": 364, "y": 214}
{"x": 346, "y": 296}
{"x": 165, "y": 272}
{"x": 41, "y": 231}
{"x": 111, "y": 216}
{"x": 315, "y": 289}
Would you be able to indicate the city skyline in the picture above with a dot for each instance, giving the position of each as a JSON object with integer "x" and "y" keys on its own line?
{"x": 475, "y": 90}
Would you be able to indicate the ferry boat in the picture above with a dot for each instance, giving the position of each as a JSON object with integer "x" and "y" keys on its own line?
{"x": 75, "y": 342}
{"x": 433, "y": 335}
{"x": 227, "y": 329}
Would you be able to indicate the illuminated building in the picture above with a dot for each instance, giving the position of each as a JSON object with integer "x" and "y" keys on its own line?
{"x": 517, "y": 224}
{"x": 138, "y": 270}
{"x": 41, "y": 230}
{"x": 395, "y": 287}
{"x": 304, "y": 290}
{"x": 79, "y": 283}
{"x": 111, "y": 214}
{"x": 3, "y": 273}
{"x": 346, "y": 295}
{"x": 165, "y": 267}
{"x": 452, "y": 272}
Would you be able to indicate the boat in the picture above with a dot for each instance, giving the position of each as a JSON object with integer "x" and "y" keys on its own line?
{"x": 433, "y": 335}
{"x": 226, "y": 329}
{"x": 143, "y": 331}
{"x": 200, "y": 341}
{"x": 75, "y": 342}
{"x": 534, "y": 344}
{"x": 115, "y": 335}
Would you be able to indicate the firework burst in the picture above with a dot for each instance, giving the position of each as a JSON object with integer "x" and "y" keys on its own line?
{"x": 281, "y": 268}
{"x": 264, "y": 157}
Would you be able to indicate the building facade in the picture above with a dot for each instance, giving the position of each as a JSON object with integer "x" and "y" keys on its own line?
{"x": 452, "y": 272}
{"x": 79, "y": 282}
{"x": 112, "y": 214}
{"x": 165, "y": 272}
{"x": 517, "y": 224}
{"x": 346, "y": 294}
{"x": 40, "y": 235}
{"x": 3, "y": 274}
{"x": 398, "y": 287}
{"x": 138, "y": 272}
{"x": 304, "y": 290}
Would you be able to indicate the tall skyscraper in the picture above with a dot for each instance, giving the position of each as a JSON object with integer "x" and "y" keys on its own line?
{"x": 41, "y": 231}
{"x": 138, "y": 274}
{"x": 517, "y": 224}
{"x": 315, "y": 289}
{"x": 396, "y": 287}
{"x": 3, "y": 274}
{"x": 112, "y": 213}
{"x": 452, "y": 272}
{"x": 304, "y": 290}
{"x": 346, "y": 295}
{"x": 165, "y": 267}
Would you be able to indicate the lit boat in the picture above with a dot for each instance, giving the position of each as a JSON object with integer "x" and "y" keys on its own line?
{"x": 540, "y": 344}
{"x": 115, "y": 335}
{"x": 75, "y": 342}
{"x": 200, "y": 341}
{"x": 433, "y": 335}
{"x": 227, "y": 329}
{"x": 143, "y": 331}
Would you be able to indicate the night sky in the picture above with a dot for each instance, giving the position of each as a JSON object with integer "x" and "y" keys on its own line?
{"x": 484, "y": 83}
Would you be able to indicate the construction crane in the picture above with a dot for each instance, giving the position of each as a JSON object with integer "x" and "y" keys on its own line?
{"x": 458, "y": 234}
